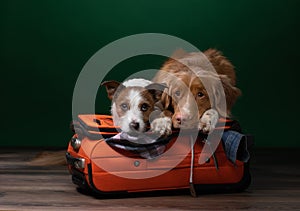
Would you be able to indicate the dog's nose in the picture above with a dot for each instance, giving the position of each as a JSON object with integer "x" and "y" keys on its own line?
{"x": 135, "y": 125}
{"x": 180, "y": 118}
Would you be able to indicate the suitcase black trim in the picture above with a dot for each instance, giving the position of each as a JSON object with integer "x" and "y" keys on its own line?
{"x": 240, "y": 186}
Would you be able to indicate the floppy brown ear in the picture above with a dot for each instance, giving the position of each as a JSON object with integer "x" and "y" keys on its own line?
{"x": 166, "y": 100}
{"x": 111, "y": 88}
{"x": 221, "y": 64}
{"x": 156, "y": 90}
{"x": 231, "y": 94}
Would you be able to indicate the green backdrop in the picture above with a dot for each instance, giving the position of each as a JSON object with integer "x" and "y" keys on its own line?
{"x": 45, "y": 44}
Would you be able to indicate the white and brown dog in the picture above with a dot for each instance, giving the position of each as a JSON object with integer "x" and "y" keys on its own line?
{"x": 195, "y": 84}
{"x": 135, "y": 106}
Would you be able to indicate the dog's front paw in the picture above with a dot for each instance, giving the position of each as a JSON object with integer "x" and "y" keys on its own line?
{"x": 162, "y": 126}
{"x": 208, "y": 120}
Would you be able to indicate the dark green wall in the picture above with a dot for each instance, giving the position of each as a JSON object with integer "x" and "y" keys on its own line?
{"x": 44, "y": 45}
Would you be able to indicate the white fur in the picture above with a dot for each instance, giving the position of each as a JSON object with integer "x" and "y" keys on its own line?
{"x": 186, "y": 110}
{"x": 124, "y": 121}
{"x": 208, "y": 120}
{"x": 162, "y": 125}
{"x": 134, "y": 114}
{"x": 140, "y": 82}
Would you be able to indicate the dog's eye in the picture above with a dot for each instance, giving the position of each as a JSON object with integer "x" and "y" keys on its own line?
{"x": 177, "y": 93}
{"x": 200, "y": 94}
{"x": 144, "y": 107}
{"x": 124, "y": 106}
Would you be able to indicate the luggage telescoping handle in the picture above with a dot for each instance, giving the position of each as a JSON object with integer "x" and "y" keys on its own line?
{"x": 192, "y": 186}
{"x": 213, "y": 154}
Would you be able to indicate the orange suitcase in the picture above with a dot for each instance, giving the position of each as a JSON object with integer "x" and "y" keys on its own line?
{"x": 102, "y": 165}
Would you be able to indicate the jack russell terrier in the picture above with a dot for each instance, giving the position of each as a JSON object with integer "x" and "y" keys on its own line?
{"x": 136, "y": 106}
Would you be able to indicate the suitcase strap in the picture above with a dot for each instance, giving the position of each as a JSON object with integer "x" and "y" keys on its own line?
{"x": 192, "y": 186}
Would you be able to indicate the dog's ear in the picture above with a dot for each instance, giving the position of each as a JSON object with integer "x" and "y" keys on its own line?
{"x": 221, "y": 64}
{"x": 156, "y": 90}
{"x": 111, "y": 87}
{"x": 231, "y": 94}
{"x": 166, "y": 100}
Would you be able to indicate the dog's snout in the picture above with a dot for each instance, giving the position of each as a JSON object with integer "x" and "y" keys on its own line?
{"x": 180, "y": 118}
{"x": 135, "y": 125}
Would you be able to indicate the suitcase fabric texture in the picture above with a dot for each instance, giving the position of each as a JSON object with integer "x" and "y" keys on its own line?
{"x": 103, "y": 165}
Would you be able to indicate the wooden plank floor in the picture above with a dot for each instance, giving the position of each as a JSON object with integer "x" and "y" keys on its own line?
{"x": 275, "y": 186}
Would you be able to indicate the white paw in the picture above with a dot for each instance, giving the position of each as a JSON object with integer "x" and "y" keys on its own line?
{"x": 209, "y": 120}
{"x": 162, "y": 126}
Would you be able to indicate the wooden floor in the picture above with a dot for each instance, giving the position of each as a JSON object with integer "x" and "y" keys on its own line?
{"x": 275, "y": 186}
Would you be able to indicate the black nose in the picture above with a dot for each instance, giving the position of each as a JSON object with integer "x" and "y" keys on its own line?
{"x": 180, "y": 119}
{"x": 135, "y": 125}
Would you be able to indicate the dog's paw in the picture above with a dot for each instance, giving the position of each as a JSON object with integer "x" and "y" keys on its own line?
{"x": 208, "y": 120}
{"x": 162, "y": 126}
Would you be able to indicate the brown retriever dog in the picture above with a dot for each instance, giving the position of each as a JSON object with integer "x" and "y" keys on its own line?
{"x": 201, "y": 88}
